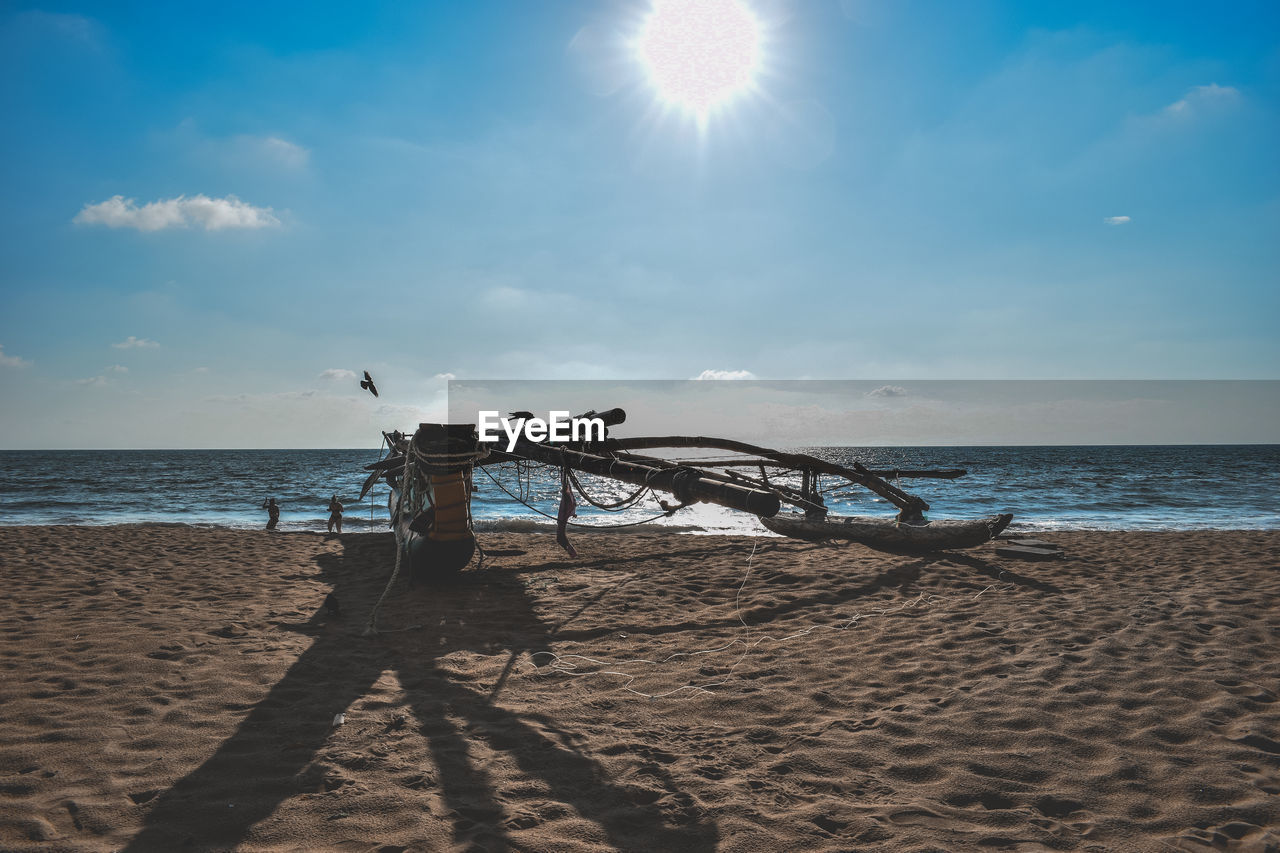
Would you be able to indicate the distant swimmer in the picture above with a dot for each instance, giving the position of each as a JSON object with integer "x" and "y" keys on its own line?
{"x": 273, "y": 513}
{"x": 367, "y": 384}
{"x": 335, "y": 514}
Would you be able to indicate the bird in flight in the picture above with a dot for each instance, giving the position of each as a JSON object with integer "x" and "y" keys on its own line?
{"x": 367, "y": 384}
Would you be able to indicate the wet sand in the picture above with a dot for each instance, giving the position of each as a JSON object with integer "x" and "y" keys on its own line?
{"x": 176, "y": 689}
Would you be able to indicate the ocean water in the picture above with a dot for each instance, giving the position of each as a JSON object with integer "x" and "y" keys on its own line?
{"x": 1108, "y": 488}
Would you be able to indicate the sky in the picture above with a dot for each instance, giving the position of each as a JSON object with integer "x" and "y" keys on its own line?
{"x": 215, "y": 217}
{"x": 825, "y": 412}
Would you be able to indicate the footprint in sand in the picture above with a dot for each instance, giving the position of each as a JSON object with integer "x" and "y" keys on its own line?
{"x": 1237, "y": 836}
{"x": 920, "y": 816}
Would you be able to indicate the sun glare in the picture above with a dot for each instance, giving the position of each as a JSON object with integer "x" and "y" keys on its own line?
{"x": 699, "y": 54}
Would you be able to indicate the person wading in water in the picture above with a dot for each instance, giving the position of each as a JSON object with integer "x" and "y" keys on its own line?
{"x": 273, "y": 513}
{"x": 335, "y": 514}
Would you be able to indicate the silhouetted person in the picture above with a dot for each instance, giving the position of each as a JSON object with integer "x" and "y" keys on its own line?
{"x": 273, "y": 513}
{"x": 335, "y": 514}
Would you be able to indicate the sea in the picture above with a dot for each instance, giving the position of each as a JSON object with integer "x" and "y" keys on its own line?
{"x": 1230, "y": 487}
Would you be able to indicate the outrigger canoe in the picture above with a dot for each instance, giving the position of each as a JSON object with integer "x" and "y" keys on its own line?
{"x": 884, "y": 534}
{"x": 430, "y": 475}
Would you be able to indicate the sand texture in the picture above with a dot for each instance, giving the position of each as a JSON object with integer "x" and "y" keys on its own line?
{"x": 173, "y": 689}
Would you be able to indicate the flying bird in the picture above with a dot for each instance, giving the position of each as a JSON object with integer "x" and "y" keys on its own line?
{"x": 520, "y": 416}
{"x": 367, "y": 384}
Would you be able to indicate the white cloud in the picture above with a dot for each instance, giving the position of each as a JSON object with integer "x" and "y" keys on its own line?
{"x": 136, "y": 343}
{"x": 1203, "y": 97}
{"x": 506, "y": 296}
{"x": 281, "y": 152}
{"x": 444, "y": 376}
{"x": 725, "y": 374}
{"x": 272, "y": 153}
{"x": 12, "y": 360}
{"x": 1117, "y": 220}
{"x": 888, "y": 391}
{"x": 212, "y": 214}
{"x": 103, "y": 379}
{"x": 338, "y": 374}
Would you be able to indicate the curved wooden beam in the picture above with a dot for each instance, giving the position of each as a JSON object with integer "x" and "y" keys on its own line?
{"x": 856, "y": 473}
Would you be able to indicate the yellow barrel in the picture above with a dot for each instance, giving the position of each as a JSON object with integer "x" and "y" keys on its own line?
{"x": 451, "y": 497}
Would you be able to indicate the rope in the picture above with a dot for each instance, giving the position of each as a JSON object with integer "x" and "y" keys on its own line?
{"x": 571, "y": 523}
{"x": 379, "y": 459}
{"x": 448, "y": 460}
{"x": 372, "y": 627}
{"x": 626, "y": 503}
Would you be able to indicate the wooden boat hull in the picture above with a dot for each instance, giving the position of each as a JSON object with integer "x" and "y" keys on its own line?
{"x": 423, "y": 559}
{"x": 885, "y": 534}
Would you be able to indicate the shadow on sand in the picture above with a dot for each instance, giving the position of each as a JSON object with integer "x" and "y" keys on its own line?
{"x": 272, "y": 755}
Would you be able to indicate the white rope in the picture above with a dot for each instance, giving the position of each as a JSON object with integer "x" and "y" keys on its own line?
{"x": 372, "y": 627}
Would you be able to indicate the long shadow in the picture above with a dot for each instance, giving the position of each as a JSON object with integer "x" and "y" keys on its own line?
{"x": 270, "y": 758}
{"x": 999, "y": 573}
{"x": 899, "y": 577}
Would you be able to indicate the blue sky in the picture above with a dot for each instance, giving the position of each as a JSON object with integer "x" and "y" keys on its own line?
{"x": 911, "y": 191}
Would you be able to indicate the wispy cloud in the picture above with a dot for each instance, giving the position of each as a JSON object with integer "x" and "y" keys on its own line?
{"x": 279, "y": 151}
{"x": 272, "y": 152}
{"x": 212, "y": 214}
{"x": 1117, "y": 220}
{"x": 725, "y": 374}
{"x": 338, "y": 374}
{"x": 103, "y": 379}
{"x": 12, "y": 360}
{"x": 71, "y": 27}
{"x": 447, "y": 377}
{"x": 888, "y": 391}
{"x": 136, "y": 343}
{"x": 1202, "y": 98}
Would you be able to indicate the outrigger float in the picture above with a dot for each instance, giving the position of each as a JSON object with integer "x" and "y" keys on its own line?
{"x": 431, "y": 478}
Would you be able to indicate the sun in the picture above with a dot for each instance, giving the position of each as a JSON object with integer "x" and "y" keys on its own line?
{"x": 700, "y": 54}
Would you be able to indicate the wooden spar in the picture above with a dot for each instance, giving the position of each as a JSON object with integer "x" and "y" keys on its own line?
{"x": 883, "y": 473}
{"x": 856, "y": 473}
{"x": 786, "y": 493}
{"x": 497, "y": 456}
{"x": 687, "y": 484}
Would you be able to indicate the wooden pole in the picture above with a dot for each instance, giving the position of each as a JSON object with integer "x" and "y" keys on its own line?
{"x": 857, "y": 473}
{"x": 689, "y": 485}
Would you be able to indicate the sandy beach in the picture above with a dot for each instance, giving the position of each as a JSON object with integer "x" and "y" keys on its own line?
{"x": 176, "y": 689}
